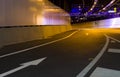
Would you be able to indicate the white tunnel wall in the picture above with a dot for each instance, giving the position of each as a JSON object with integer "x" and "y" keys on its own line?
{"x": 31, "y": 12}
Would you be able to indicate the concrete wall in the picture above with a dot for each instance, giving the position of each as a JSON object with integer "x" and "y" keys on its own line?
{"x": 14, "y": 14}
{"x": 53, "y": 30}
{"x": 31, "y": 12}
{"x": 13, "y": 35}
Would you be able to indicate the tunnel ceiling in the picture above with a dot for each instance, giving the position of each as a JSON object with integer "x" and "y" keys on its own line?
{"x": 67, "y": 4}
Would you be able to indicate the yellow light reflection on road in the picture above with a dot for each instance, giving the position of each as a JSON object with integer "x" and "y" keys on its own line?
{"x": 87, "y": 34}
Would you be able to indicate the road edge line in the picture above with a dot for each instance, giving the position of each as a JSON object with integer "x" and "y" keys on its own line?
{"x": 20, "y": 51}
{"x": 94, "y": 61}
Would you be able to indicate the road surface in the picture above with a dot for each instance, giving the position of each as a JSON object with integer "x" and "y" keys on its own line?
{"x": 77, "y": 53}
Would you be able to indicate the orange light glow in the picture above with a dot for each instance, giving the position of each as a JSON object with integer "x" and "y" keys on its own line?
{"x": 40, "y": 20}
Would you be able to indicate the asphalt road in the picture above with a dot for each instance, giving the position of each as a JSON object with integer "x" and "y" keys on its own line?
{"x": 77, "y": 53}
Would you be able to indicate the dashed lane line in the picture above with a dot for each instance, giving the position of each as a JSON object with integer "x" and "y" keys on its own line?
{"x": 113, "y": 41}
{"x": 111, "y": 49}
{"x": 114, "y": 50}
{"x": 24, "y": 50}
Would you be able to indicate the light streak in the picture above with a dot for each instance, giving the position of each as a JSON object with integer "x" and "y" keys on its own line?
{"x": 93, "y": 6}
{"x": 108, "y": 5}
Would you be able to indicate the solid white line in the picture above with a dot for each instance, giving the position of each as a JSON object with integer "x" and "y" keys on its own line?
{"x": 94, "y": 61}
{"x": 114, "y": 50}
{"x": 20, "y": 51}
{"x": 103, "y": 72}
{"x": 114, "y": 39}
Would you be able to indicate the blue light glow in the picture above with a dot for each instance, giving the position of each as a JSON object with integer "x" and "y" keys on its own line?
{"x": 75, "y": 10}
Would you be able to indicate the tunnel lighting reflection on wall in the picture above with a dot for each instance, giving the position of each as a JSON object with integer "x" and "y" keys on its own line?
{"x": 36, "y": 0}
{"x": 31, "y": 12}
{"x": 49, "y": 14}
{"x": 115, "y": 23}
{"x": 40, "y": 20}
{"x": 109, "y": 23}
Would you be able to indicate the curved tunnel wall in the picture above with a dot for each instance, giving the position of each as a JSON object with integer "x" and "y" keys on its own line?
{"x": 13, "y": 35}
{"x": 31, "y": 12}
{"x": 27, "y": 20}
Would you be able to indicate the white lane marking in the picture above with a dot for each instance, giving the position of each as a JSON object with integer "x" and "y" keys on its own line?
{"x": 113, "y": 39}
{"x": 20, "y": 51}
{"x": 114, "y": 50}
{"x": 24, "y": 65}
{"x": 103, "y": 72}
{"x": 94, "y": 61}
